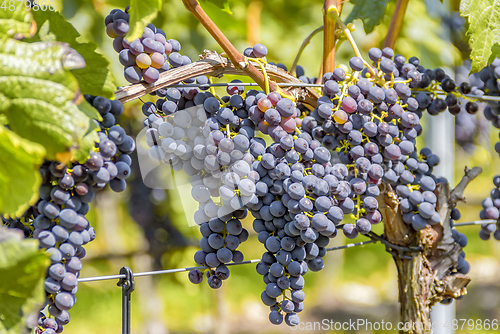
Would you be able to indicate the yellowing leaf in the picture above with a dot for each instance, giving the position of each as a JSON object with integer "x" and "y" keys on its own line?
{"x": 19, "y": 175}
{"x": 16, "y": 23}
{"x": 40, "y": 97}
{"x": 142, "y": 12}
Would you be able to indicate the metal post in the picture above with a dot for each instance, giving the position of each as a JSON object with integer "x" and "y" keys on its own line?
{"x": 128, "y": 285}
{"x": 440, "y": 138}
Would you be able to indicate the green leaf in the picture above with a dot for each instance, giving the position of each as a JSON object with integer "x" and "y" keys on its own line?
{"x": 16, "y": 23}
{"x": 22, "y": 272}
{"x": 142, "y": 12}
{"x": 87, "y": 143}
{"x": 370, "y": 12}
{"x": 222, "y": 4}
{"x": 484, "y": 30}
{"x": 95, "y": 78}
{"x": 40, "y": 97}
{"x": 19, "y": 175}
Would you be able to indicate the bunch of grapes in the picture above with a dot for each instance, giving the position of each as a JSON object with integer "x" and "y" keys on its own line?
{"x": 322, "y": 165}
{"x": 220, "y": 176}
{"x": 373, "y": 128}
{"x": 146, "y": 57}
{"x": 491, "y": 206}
{"x": 58, "y": 220}
{"x": 296, "y": 215}
{"x": 213, "y": 141}
{"x": 418, "y": 202}
{"x": 489, "y": 83}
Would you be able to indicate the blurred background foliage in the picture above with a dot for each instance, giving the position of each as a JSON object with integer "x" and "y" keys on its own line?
{"x": 147, "y": 229}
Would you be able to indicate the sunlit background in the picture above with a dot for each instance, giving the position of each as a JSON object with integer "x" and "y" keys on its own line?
{"x": 146, "y": 229}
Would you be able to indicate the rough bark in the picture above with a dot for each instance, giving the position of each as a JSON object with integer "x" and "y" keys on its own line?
{"x": 427, "y": 276}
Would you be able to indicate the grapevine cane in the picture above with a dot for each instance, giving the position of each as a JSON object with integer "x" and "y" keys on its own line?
{"x": 329, "y": 37}
{"x": 396, "y": 24}
{"x": 236, "y": 58}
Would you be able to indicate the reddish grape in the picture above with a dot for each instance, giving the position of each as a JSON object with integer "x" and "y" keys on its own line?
{"x": 274, "y": 97}
{"x": 168, "y": 48}
{"x": 157, "y": 60}
{"x": 264, "y": 104}
{"x": 288, "y": 124}
{"x": 349, "y": 104}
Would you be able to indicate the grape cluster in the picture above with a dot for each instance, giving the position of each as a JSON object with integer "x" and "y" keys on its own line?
{"x": 58, "y": 220}
{"x": 489, "y": 83}
{"x": 298, "y": 198}
{"x": 416, "y": 192}
{"x": 491, "y": 206}
{"x": 146, "y": 57}
{"x": 461, "y": 266}
{"x": 221, "y": 178}
{"x": 373, "y": 130}
{"x": 213, "y": 141}
{"x": 367, "y": 121}
{"x": 298, "y": 209}
{"x": 425, "y": 83}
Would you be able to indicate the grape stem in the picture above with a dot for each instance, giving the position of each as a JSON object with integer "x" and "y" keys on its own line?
{"x": 306, "y": 42}
{"x": 236, "y": 58}
{"x": 396, "y": 24}
{"x": 332, "y": 11}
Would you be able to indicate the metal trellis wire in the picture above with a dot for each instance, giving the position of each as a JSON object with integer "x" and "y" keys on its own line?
{"x": 126, "y": 280}
{"x": 303, "y": 84}
{"x": 126, "y": 276}
{"x": 476, "y": 222}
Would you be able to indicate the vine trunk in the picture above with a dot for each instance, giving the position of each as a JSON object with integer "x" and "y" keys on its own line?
{"x": 425, "y": 260}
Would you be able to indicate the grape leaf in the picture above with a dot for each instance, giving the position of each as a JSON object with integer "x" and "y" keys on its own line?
{"x": 142, "y": 12}
{"x": 94, "y": 78}
{"x": 222, "y": 4}
{"x": 19, "y": 175}
{"x": 87, "y": 143}
{"x": 17, "y": 23}
{"x": 22, "y": 273}
{"x": 484, "y": 30}
{"x": 370, "y": 12}
{"x": 40, "y": 97}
